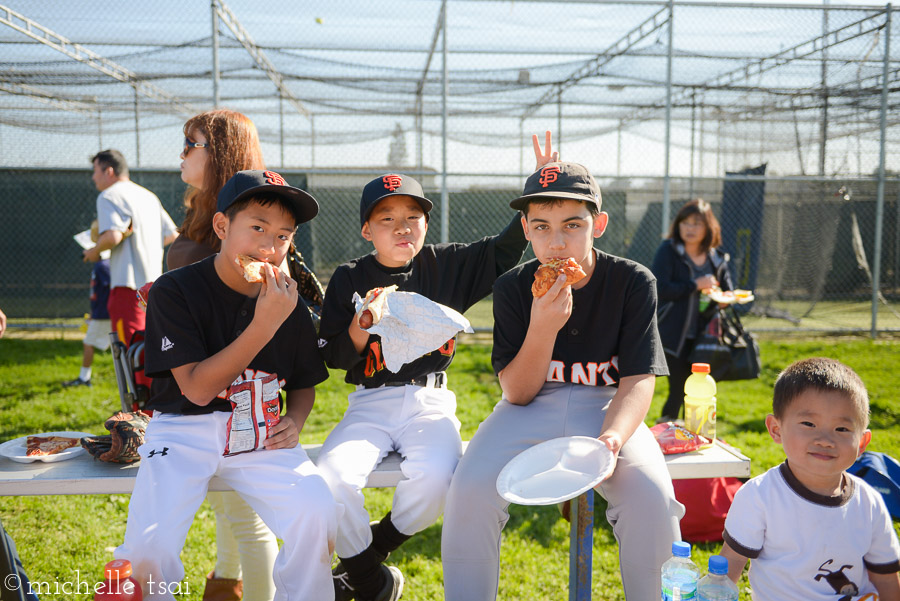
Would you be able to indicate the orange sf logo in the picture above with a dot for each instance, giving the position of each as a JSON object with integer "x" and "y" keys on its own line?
{"x": 274, "y": 178}
{"x": 549, "y": 175}
{"x": 392, "y": 182}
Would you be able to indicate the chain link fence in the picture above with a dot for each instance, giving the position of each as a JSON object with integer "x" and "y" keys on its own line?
{"x": 806, "y": 248}
{"x": 784, "y": 117}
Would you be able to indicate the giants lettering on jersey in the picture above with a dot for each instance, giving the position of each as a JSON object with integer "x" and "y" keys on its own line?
{"x": 249, "y": 374}
{"x": 605, "y": 373}
{"x": 375, "y": 358}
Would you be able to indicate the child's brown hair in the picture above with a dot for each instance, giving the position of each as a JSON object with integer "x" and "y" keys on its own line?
{"x": 822, "y": 374}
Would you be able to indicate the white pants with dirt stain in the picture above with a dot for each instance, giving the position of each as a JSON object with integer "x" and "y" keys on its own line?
{"x": 179, "y": 456}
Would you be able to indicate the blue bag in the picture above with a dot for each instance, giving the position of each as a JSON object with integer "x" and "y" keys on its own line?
{"x": 881, "y": 472}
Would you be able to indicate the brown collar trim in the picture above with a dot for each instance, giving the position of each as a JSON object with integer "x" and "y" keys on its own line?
{"x": 838, "y": 500}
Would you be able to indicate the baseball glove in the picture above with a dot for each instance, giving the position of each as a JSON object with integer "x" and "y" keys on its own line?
{"x": 126, "y": 434}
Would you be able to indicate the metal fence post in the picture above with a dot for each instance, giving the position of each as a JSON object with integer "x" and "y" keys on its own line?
{"x": 137, "y": 128}
{"x": 99, "y": 127}
{"x": 879, "y": 203}
{"x": 445, "y": 90}
{"x": 667, "y": 200}
{"x": 281, "y": 127}
{"x": 215, "y": 53}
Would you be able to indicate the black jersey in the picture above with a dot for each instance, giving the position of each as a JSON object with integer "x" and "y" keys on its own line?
{"x": 192, "y": 315}
{"x": 455, "y": 275}
{"x": 611, "y": 333}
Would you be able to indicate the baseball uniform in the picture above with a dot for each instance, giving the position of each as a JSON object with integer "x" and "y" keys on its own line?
{"x": 192, "y": 315}
{"x": 245, "y": 547}
{"x": 411, "y": 411}
{"x": 610, "y": 334}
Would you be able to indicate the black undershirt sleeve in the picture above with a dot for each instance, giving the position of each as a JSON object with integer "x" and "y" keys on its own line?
{"x": 337, "y": 314}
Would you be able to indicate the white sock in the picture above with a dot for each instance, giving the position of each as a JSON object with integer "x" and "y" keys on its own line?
{"x": 85, "y": 374}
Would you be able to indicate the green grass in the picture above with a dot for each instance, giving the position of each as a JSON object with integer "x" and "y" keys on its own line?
{"x": 61, "y": 538}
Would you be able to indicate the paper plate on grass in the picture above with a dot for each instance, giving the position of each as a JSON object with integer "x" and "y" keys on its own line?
{"x": 555, "y": 471}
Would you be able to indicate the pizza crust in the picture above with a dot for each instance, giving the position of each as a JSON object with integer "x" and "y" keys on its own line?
{"x": 546, "y": 275}
{"x": 253, "y": 269}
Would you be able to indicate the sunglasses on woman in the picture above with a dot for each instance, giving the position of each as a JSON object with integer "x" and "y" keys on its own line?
{"x": 189, "y": 144}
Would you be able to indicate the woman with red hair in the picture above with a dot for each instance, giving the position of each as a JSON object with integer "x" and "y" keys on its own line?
{"x": 218, "y": 144}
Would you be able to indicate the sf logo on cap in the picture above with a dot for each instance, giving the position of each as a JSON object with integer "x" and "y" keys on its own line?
{"x": 392, "y": 182}
{"x": 549, "y": 175}
{"x": 274, "y": 178}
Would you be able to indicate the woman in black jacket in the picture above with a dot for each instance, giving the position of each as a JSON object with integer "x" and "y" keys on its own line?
{"x": 687, "y": 263}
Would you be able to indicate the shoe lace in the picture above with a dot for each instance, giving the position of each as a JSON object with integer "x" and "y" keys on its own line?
{"x": 343, "y": 580}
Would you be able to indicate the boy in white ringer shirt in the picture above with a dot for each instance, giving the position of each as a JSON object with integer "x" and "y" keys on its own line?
{"x": 812, "y": 530}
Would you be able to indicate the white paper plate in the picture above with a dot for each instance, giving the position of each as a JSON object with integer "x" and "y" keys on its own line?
{"x": 729, "y": 298}
{"x": 555, "y": 471}
{"x": 15, "y": 449}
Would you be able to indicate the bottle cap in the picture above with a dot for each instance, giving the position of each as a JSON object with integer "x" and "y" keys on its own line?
{"x": 118, "y": 569}
{"x": 681, "y": 549}
{"x": 700, "y": 368}
{"x": 718, "y": 564}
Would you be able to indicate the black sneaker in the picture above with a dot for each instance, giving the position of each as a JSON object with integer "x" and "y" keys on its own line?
{"x": 77, "y": 382}
{"x": 393, "y": 587}
{"x": 343, "y": 591}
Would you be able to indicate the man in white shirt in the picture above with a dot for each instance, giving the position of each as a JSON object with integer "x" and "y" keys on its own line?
{"x": 135, "y": 228}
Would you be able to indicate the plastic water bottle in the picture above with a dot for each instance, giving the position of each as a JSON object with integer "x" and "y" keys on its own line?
{"x": 700, "y": 402}
{"x": 119, "y": 585}
{"x": 680, "y": 574}
{"x": 717, "y": 586}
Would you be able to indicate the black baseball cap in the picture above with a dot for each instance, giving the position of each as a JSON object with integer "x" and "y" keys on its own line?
{"x": 559, "y": 180}
{"x": 391, "y": 184}
{"x": 251, "y": 182}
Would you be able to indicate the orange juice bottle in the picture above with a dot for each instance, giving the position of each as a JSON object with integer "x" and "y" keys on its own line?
{"x": 700, "y": 402}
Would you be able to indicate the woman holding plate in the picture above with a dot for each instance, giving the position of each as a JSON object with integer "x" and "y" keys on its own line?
{"x": 687, "y": 265}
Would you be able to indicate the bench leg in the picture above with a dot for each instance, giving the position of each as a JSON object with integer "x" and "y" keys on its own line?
{"x": 581, "y": 544}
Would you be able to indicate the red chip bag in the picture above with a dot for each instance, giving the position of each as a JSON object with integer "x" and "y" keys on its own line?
{"x": 673, "y": 439}
{"x": 255, "y": 411}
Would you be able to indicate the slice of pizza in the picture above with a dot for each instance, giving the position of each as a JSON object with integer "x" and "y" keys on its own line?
{"x": 373, "y": 307}
{"x": 546, "y": 274}
{"x": 37, "y": 446}
{"x": 252, "y": 268}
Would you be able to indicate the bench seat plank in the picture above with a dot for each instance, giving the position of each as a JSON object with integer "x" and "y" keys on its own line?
{"x": 85, "y": 476}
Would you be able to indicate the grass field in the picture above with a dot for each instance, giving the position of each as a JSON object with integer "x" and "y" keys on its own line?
{"x": 68, "y": 538}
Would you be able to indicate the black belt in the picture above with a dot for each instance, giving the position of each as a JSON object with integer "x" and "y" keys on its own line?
{"x": 439, "y": 379}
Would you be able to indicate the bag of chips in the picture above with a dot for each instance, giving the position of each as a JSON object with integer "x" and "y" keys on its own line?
{"x": 674, "y": 438}
{"x": 255, "y": 409}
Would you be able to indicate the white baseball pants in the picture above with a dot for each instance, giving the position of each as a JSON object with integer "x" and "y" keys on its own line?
{"x": 179, "y": 456}
{"x": 419, "y": 423}
{"x": 642, "y": 508}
